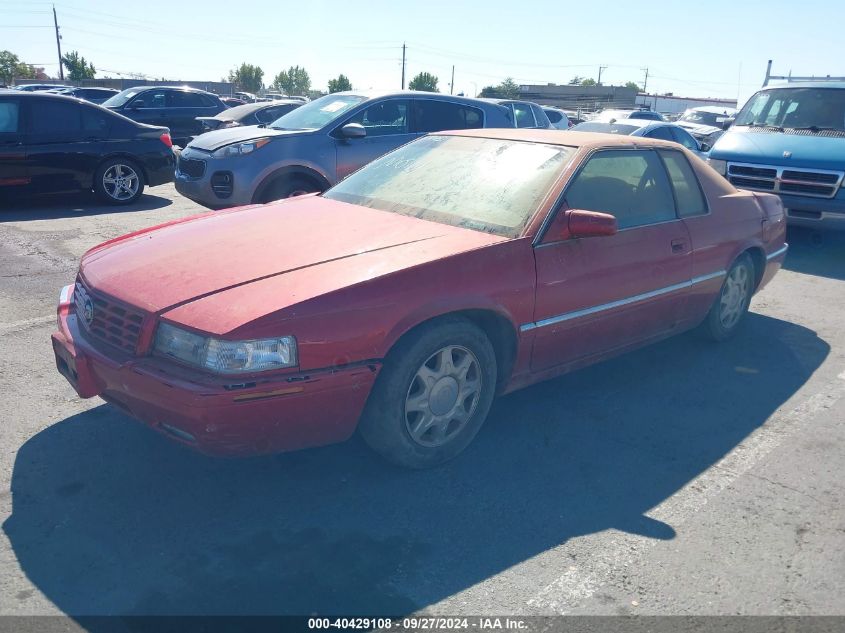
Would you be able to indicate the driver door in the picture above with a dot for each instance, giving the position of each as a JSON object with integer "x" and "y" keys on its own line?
{"x": 387, "y": 123}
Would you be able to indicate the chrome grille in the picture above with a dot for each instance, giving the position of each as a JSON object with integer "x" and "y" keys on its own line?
{"x": 107, "y": 319}
{"x": 815, "y": 183}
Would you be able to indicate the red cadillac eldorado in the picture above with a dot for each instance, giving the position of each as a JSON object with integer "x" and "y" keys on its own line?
{"x": 401, "y": 301}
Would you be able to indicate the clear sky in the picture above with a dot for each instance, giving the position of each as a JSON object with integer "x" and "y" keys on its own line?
{"x": 715, "y": 48}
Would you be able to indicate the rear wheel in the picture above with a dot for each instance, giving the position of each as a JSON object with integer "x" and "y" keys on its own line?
{"x": 119, "y": 181}
{"x": 731, "y": 305}
{"x": 432, "y": 395}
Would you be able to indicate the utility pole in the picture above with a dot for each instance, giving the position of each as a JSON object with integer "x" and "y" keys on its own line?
{"x": 601, "y": 68}
{"x": 58, "y": 44}
{"x": 403, "y": 65}
{"x": 452, "y": 85}
{"x": 645, "y": 82}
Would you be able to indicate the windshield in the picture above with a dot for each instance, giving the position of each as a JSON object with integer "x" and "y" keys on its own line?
{"x": 318, "y": 113}
{"x": 704, "y": 118}
{"x": 489, "y": 185}
{"x": 121, "y": 97}
{"x": 806, "y": 108}
{"x": 605, "y": 128}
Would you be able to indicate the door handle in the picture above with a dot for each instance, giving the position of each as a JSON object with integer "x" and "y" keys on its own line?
{"x": 679, "y": 246}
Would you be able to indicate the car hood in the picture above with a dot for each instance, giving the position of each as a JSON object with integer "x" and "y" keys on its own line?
{"x": 216, "y": 139}
{"x": 790, "y": 150}
{"x": 307, "y": 246}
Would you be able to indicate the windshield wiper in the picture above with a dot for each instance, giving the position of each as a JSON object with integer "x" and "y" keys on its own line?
{"x": 766, "y": 125}
{"x": 819, "y": 128}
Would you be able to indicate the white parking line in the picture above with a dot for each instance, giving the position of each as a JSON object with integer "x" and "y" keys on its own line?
{"x": 577, "y": 585}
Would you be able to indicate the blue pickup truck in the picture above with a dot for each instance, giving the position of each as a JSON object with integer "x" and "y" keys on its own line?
{"x": 790, "y": 140}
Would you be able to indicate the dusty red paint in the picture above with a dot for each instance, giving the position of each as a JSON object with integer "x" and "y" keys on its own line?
{"x": 348, "y": 282}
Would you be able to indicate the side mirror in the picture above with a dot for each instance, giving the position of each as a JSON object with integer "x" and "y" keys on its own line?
{"x": 728, "y": 122}
{"x": 590, "y": 223}
{"x": 704, "y": 147}
{"x": 353, "y": 130}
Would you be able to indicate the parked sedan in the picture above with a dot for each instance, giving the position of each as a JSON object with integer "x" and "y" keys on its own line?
{"x": 609, "y": 116}
{"x": 94, "y": 95}
{"x": 248, "y": 114}
{"x": 558, "y": 118}
{"x": 706, "y": 123}
{"x": 177, "y": 108}
{"x": 647, "y": 129}
{"x": 318, "y": 144}
{"x": 55, "y": 144}
{"x": 400, "y": 302}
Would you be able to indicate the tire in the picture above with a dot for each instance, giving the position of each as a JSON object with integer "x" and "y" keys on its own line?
{"x": 731, "y": 305}
{"x": 119, "y": 181}
{"x": 415, "y": 416}
{"x": 288, "y": 187}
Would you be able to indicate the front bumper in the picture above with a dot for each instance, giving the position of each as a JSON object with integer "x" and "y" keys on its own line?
{"x": 282, "y": 413}
{"x": 201, "y": 189}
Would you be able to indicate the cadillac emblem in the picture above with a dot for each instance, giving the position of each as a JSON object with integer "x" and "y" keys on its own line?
{"x": 787, "y": 154}
{"x": 84, "y": 305}
{"x": 88, "y": 311}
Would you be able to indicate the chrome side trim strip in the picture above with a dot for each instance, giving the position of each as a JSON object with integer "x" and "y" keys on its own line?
{"x": 778, "y": 252}
{"x": 525, "y": 327}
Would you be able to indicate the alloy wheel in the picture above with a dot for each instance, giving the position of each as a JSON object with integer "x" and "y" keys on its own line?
{"x": 121, "y": 182}
{"x": 734, "y": 298}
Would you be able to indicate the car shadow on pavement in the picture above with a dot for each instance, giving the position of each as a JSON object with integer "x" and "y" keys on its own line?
{"x": 53, "y": 206}
{"x": 110, "y": 518}
{"x": 820, "y": 253}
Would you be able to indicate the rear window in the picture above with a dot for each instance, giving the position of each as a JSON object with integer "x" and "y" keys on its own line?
{"x": 688, "y": 197}
{"x": 434, "y": 116}
{"x": 553, "y": 115}
{"x": 55, "y": 117}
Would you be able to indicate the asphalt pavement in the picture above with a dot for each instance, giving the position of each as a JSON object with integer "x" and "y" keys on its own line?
{"x": 684, "y": 478}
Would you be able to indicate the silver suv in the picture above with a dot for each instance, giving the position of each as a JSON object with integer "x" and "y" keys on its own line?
{"x": 319, "y": 144}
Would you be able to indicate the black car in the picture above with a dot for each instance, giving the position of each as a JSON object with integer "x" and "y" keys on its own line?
{"x": 249, "y": 114}
{"x": 176, "y": 108}
{"x": 54, "y": 144}
{"x": 94, "y": 95}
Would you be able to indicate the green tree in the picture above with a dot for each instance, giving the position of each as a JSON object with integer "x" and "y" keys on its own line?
{"x": 424, "y": 81}
{"x": 340, "y": 84}
{"x": 293, "y": 81}
{"x": 487, "y": 92}
{"x": 589, "y": 82}
{"x": 247, "y": 77}
{"x": 77, "y": 67}
{"x": 632, "y": 84}
{"x": 576, "y": 80}
{"x": 509, "y": 89}
{"x": 12, "y": 68}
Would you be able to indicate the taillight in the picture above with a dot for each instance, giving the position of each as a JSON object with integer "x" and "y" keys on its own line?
{"x": 165, "y": 138}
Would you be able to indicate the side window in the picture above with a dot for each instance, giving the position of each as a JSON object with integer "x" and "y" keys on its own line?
{"x": 384, "y": 118}
{"x": 631, "y": 185}
{"x": 433, "y": 116}
{"x": 685, "y": 138}
{"x": 554, "y": 116}
{"x": 688, "y": 196}
{"x": 55, "y": 118}
{"x": 540, "y": 116}
{"x": 523, "y": 115}
{"x": 95, "y": 121}
{"x": 180, "y": 99}
{"x": 662, "y": 132}
{"x": 151, "y": 99}
{"x": 207, "y": 102}
{"x": 9, "y": 117}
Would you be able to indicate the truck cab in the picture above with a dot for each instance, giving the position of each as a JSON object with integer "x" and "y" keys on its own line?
{"x": 790, "y": 140}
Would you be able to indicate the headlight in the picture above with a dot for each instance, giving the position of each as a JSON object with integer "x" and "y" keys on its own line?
{"x": 719, "y": 165}
{"x": 239, "y": 149}
{"x": 225, "y": 357}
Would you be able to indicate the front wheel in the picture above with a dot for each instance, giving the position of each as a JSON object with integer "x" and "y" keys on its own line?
{"x": 731, "y": 305}
{"x": 119, "y": 181}
{"x": 288, "y": 187}
{"x": 432, "y": 395}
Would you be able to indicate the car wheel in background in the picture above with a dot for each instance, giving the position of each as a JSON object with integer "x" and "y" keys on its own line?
{"x": 731, "y": 305}
{"x": 288, "y": 187}
{"x": 119, "y": 181}
{"x": 432, "y": 394}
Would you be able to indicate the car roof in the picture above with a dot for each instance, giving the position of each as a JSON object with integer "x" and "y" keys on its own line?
{"x": 179, "y": 88}
{"x": 807, "y": 84}
{"x": 248, "y": 108}
{"x": 377, "y": 94}
{"x": 712, "y": 109}
{"x": 585, "y": 140}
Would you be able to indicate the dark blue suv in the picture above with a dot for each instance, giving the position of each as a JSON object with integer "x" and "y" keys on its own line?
{"x": 174, "y": 107}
